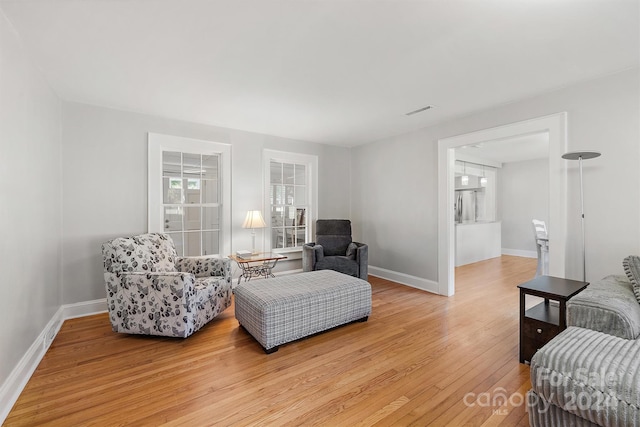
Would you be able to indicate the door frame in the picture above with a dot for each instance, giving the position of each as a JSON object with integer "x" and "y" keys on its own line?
{"x": 556, "y": 126}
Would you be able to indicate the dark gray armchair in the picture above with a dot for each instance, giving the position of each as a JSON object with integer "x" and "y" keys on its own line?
{"x": 334, "y": 250}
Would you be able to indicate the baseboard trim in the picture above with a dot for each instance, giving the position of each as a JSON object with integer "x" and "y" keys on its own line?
{"x": 86, "y": 308}
{"x": 404, "y": 279}
{"x": 17, "y": 380}
{"x": 519, "y": 252}
{"x": 19, "y": 377}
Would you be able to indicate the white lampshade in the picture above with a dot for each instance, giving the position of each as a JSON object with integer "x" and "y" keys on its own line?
{"x": 254, "y": 220}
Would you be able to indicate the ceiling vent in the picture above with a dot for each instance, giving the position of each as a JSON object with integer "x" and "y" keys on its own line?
{"x": 420, "y": 110}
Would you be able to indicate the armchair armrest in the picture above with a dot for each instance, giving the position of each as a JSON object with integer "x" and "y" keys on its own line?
{"x": 150, "y": 302}
{"x": 205, "y": 266}
{"x": 362, "y": 258}
{"x": 146, "y": 282}
{"x": 311, "y": 254}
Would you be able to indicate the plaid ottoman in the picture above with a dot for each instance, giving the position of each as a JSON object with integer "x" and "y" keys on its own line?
{"x": 284, "y": 309}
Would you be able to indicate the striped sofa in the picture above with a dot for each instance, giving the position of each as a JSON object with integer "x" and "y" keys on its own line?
{"x": 589, "y": 375}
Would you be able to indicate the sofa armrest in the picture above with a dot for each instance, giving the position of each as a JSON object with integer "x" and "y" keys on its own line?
{"x": 608, "y": 305}
{"x": 362, "y": 258}
{"x": 205, "y": 266}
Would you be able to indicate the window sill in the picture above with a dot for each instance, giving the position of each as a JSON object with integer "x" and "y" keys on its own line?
{"x": 290, "y": 253}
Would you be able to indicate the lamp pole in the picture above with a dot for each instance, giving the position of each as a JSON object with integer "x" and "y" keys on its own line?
{"x": 580, "y": 156}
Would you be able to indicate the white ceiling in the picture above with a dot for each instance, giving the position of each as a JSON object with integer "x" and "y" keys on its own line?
{"x": 342, "y": 72}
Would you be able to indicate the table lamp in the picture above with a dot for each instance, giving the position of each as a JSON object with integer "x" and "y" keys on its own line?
{"x": 253, "y": 220}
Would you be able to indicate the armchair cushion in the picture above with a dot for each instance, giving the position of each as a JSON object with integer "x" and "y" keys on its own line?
{"x": 334, "y": 235}
{"x": 341, "y": 264}
{"x": 146, "y": 252}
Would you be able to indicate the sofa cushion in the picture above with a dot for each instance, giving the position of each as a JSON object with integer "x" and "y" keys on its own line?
{"x": 590, "y": 374}
{"x": 631, "y": 266}
{"x": 607, "y": 305}
{"x": 544, "y": 414}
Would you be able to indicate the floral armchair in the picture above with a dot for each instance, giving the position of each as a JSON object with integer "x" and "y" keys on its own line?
{"x": 152, "y": 291}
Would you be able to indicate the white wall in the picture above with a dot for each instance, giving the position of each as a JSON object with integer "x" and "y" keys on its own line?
{"x": 523, "y": 195}
{"x": 105, "y": 184}
{"x": 395, "y": 180}
{"x": 30, "y": 202}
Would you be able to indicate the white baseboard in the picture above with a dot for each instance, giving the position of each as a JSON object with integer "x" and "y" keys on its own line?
{"x": 404, "y": 279}
{"x": 86, "y": 308}
{"x": 519, "y": 252}
{"x": 17, "y": 380}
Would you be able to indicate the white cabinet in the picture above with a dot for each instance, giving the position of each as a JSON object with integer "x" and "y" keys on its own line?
{"x": 478, "y": 241}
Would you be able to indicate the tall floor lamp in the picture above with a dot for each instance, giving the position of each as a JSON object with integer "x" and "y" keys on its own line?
{"x": 580, "y": 156}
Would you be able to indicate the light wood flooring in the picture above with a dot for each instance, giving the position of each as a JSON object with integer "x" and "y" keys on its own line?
{"x": 421, "y": 359}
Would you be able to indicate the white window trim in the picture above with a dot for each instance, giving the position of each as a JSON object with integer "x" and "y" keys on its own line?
{"x": 311, "y": 163}
{"x": 159, "y": 143}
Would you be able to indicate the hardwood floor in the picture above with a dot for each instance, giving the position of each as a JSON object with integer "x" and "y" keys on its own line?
{"x": 421, "y": 359}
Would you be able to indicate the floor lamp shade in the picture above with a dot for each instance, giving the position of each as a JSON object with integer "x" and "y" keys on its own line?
{"x": 580, "y": 156}
{"x": 253, "y": 220}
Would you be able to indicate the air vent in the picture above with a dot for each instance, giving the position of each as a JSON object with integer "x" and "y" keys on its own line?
{"x": 420, "y": 110}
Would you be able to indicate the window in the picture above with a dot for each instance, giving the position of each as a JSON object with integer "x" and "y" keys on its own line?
{"x": 291, "y": 197}
{"x": 189, "y": 194}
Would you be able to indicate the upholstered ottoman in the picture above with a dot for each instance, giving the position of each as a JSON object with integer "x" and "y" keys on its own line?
{"x": 283, "y": 309}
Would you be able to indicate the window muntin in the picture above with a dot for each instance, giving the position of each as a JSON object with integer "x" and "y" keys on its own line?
{"x": 287, "y": 197}
{"x": 192, "y": 201}
{"x": 290, "y": 194}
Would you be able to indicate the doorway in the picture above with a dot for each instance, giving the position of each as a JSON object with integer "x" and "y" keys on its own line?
{"x": 555, "y": 125}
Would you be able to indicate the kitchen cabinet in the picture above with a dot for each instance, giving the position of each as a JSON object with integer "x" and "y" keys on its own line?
{"x": 478, "y": 241}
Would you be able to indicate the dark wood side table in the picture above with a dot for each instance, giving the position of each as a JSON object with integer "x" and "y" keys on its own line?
{"x": 539, "y": 324}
